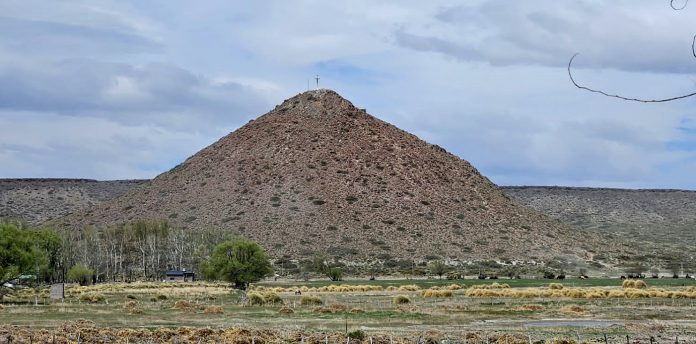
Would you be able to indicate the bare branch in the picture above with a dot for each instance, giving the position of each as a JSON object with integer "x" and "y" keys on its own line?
{"x": 671, "y": 4}
{"x": 570, "y": 74}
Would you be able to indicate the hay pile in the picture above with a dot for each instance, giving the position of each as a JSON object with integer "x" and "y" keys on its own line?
{"x": 434, "y": 293}
{"x": 325, "y": 289}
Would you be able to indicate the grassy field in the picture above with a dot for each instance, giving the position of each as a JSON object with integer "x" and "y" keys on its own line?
{"x": 369, "y": 306}
{"x": 515, "y": 283}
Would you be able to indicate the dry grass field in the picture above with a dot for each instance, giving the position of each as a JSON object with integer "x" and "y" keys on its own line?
{"x": 212, "y": 312}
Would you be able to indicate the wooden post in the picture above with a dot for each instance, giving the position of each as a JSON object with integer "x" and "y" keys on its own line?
{"x": 529, "y": 336}
{"x": 627, "y": 340}
{"x": 605, "y": 339}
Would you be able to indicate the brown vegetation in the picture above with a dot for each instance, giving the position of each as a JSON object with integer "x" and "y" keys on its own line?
{"x": 401, "y": 299}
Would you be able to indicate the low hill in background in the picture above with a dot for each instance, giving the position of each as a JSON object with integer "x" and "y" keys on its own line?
{"x": 660, "y": 225}
{"x": 39, "y": 200}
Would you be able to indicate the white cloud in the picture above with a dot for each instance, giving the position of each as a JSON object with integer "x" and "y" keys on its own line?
{"x": 484, "y": 79}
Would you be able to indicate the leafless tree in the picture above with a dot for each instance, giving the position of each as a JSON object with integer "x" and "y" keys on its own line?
{"x": 675, "y": 5}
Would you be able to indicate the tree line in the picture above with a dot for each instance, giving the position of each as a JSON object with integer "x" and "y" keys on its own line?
{"x": 139, "y": 250}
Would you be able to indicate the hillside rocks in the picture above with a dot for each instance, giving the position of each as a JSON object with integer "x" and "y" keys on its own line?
{"x": 318, "y": 174}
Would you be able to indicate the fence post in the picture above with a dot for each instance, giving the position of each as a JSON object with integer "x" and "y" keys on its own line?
{"x": 627, "y": 340}
{"x": 605, "y": 339}
{"x": 529, "y": 336}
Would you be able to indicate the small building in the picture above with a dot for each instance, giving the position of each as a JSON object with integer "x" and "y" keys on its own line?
{"x": 180, "y": 276}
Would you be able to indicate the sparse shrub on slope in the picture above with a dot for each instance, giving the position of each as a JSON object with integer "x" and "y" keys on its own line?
{"x": 556, "y": 286}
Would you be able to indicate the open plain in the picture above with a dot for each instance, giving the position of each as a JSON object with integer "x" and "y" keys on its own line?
{"x": 503, "y": 311}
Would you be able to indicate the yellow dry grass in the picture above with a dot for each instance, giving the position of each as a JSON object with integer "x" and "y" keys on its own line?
{"x": 324, "y": 289}
{"x": 581, "y": 293}
{"x": 311, "y": 300}
{"x": 494, "y": 285}
{"x": 636, "y": 284}
{"x": 434, "y": 293}
{"x": 214, "y": 309}
{"x": 401, "y": 300}
{"x": 573, "y": 309}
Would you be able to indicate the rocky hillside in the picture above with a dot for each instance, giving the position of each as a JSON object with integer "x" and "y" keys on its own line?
{"x": 39, "y": 200}
{"x": 318, "y": 174}
{"x": 655, "y": 219}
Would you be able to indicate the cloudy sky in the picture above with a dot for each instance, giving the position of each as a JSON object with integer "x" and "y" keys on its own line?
{"x": 128, "y": 89}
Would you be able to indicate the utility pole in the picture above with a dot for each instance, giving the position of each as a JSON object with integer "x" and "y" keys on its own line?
{"x": 317, "y": 79}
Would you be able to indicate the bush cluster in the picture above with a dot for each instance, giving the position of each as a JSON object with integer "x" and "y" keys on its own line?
{"x": 401, "y": 300}
{"x": 310, "y": 300}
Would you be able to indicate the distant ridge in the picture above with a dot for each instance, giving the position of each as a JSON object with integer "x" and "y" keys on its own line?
{"x": 586, "y": 188}
{"x": 37, "y": 200}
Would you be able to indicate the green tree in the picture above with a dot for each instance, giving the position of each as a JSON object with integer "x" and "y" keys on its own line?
{"x": 319, "y": 263}
{"x": 335, "y": 274}
{"x": 17, "y": 254}
{"x": 80, "y": 274}
{"x": 48, "y": 247}
{"x": 237, "y": 261}
{"x": 438, "y": 267}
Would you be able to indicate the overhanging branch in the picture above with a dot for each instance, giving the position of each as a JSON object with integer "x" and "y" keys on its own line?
{"x": 671, "y": 4}
{"x": 570, "y": 74}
